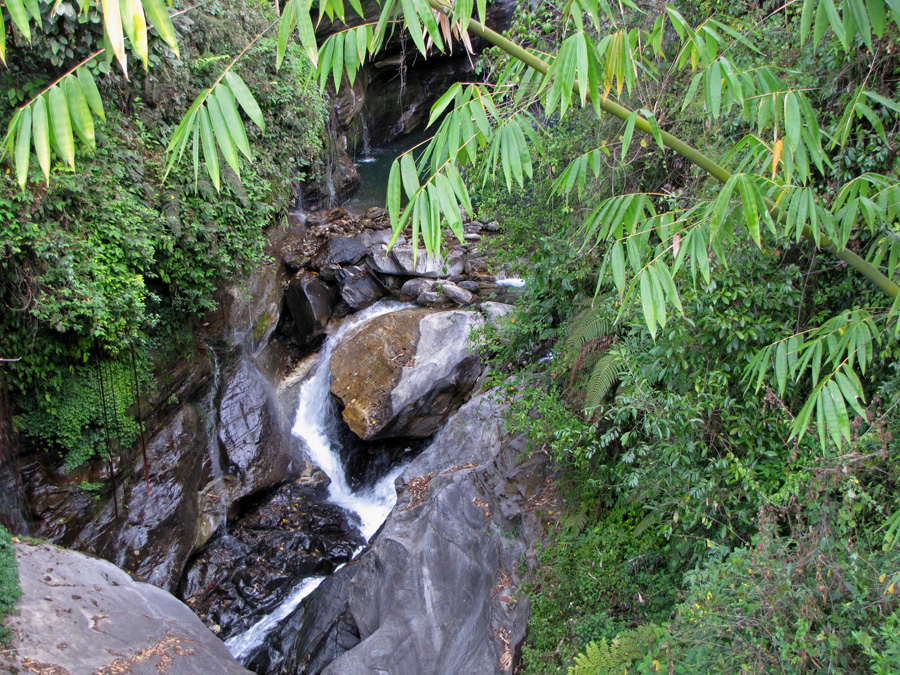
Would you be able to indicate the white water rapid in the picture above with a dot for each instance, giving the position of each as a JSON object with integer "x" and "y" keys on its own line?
{"x": 315, "y": 423}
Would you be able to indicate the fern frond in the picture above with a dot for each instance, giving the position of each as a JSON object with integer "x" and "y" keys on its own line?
{"x": 615, "y": 658}
{"x": 604, "y": 377}
{"x": 588, "y": 325}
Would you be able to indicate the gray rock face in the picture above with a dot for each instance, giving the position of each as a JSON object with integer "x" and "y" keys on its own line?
{"x": 436, "y": 592}
{"x": 414, "y": 287}
{"x": 358, "y": 288}
{"x": 471, "y": 286}
{"x": 83, "y": 615}
{"x": 340, "y": 251}
{"x": 253, "y": 433}
{"x": 310, "y": 302}
{"x": 403, "y": 374}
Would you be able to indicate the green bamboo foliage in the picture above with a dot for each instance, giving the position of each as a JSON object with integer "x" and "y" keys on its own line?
{"x": 213, "y": 125}
{"x": 121, "y": 19}
{"x": 51, "y": 122}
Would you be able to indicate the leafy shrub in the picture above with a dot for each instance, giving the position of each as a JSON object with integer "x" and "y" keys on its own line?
{"x": 10, "y": 591}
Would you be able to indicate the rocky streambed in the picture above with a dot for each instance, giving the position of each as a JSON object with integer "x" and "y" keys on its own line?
{"x": 322, "y": 496}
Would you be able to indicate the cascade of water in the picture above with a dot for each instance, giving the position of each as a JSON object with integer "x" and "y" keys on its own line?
{"x": 316, "y": 423}
{"x": 212, "y": 427}
{"x": 365, "y": 152}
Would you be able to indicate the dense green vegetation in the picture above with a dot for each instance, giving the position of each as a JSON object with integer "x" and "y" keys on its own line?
{"x": 698, "y": 533}
{"x": 9, "y": 581}
{"x": 111, "y": 255}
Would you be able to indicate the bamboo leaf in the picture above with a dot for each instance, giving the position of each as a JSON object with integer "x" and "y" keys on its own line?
{"x": 306, "y": 30}
{"x": 91, "y": 93}
{"x": 629, "y": 132}
{"x": 62, "y": 125}
{"x": 135, "y": 26}
{"x": 285, "y": 27}
{"x": 112, "y": 21}
{"x": 233, "y": 120}
{"x": 23, "y": 147}
{"x": 80, "y": 111}
{"x": 19, "y": 16}
{"x": 222, "y": 135}
{"x": 409, "y": 174}
{"x": 160, "y": 20}
{"x": 34, "y": 8}
{"x": 2, "y": 39}
{"x": 394, "y": 197}
{"x": 210, "y": 154}
{"x": 647, "y": 303}
{"x": 41, "y": 134}
{"x": 245, "y": 98}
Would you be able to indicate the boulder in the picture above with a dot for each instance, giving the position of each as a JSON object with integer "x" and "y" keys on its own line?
{"x": 310, "y": 302}
{"x": 425, "y": 265}
{"x": 429, "y": 299}
{"x": 437, "y": 591}
{"x": 80, "y": 614}
{"x": 492, "y": 226}
{"x": 253, "y": 433}
{"x": 381, "y": 261}
{"x": 358, "y": 288}
{"x": 339, "y": 251}
{"x": 404, "y": 373}
{"x": 471, "y": 286}
{"x": 456, "y": 294}
{"x": 414, "y": 287}
{"x": 495, "y": 311}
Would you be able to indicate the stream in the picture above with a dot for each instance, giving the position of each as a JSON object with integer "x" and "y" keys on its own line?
{"x": 316, "y": 424}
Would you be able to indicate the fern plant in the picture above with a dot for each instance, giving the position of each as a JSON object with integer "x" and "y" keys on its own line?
{"x": 619, "y": 656}
{"x": 588, "y": 346}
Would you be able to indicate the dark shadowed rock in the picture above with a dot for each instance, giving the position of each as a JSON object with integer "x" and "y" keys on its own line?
{"x": 428, "y": 299}
{"x": 242, "y": 575}
{"x": 381, "y": 261}
{"x": 84, "y": 615}
{"x": 404, "y": 373}
{"x": 310, "y": 302}
{"x": 253, "y": 433}
{"x": 358, "y": 288}
{"x": 339, "y": 251}
{"x": 471, "y": 286}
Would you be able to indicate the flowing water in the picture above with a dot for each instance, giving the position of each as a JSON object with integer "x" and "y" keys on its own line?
{"x": 316, "y": 424}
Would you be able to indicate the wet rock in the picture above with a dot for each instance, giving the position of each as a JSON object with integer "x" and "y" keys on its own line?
{"x": 492, "y": 226}
{"x": 156, "y": 536}
{"x": 358, "y": 288}
{"x": 245, "y": 574}
{"x": 325, "y": 216}
{"x": 253, "y": 433}
{"x": 429, "y": 299}
{"x": 404, "y": 373}
{"x": 371, "y": 238}
{"x": 472, "y": 236}
{"x": 437, "y": 590}
{"x": 83, "y": 615}
{"x": 310, "y": 302}
{"x": 414, "y": 287}
{"x": 340, "y": 251}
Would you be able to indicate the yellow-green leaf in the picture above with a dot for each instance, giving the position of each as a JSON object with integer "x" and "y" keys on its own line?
{"x": 233, "y": 120}
{"x": 245, "y": 98}
{"x": 112, "y": 21}
{"x": 80, "y": 111}
{"x": 210, "y": 154}
{"x": 41, "y": 133}
{"x": 23, "y": 147}
{"x": 20, "y": 17}
{"x": 91, "y": 93}
{"x": 62, "y": 125}
{"x": 159, "y": 17}
{"x": 135, "y": 26}
{"x": 223, "y": 136}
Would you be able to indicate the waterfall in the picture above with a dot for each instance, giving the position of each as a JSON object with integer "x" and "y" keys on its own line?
{"x": 365, "y": 152}
{"x": 316, "y": 424}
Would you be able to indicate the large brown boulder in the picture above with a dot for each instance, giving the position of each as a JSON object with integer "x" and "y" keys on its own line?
{"x": 403, "y": 374}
